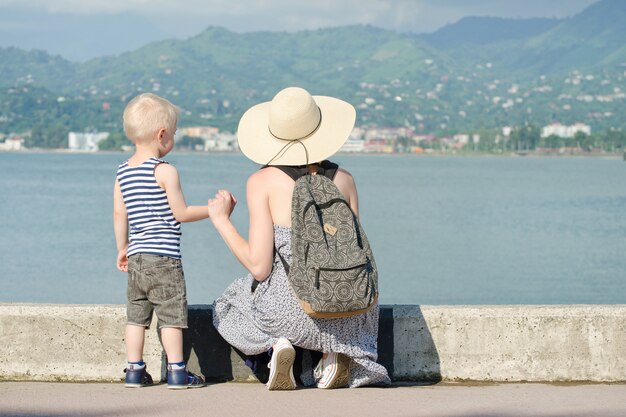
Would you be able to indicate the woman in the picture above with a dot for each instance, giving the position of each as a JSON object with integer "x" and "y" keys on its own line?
{"x": 260, "y": 312}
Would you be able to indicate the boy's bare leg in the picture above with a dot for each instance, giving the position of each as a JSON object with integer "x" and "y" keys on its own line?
{"x": 134, "y": 338}
{"x": 172, "y": 339}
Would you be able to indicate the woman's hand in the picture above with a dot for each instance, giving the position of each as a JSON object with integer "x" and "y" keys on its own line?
{"x": 222, "y": 205}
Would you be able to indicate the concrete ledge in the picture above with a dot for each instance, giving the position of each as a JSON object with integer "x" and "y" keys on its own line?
{"x": 509, "y": 343}
{"x": 576, "y": 343}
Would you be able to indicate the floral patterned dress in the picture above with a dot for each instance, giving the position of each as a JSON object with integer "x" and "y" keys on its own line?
{"x": 253, "y": 321}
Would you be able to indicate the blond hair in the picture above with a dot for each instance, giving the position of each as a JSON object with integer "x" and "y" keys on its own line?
{"x": 145, "y": 114}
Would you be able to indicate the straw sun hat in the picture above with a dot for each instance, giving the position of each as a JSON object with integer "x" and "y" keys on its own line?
{"x": 295, "y": 128}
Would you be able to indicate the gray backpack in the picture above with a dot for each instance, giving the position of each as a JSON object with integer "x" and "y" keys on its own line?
{"x": 332, "y": 271}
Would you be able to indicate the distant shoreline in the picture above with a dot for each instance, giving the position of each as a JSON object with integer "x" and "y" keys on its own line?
{"x": 615, "y": 155}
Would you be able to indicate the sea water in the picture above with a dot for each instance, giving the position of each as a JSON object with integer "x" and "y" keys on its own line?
{"x": 445, "y": 230}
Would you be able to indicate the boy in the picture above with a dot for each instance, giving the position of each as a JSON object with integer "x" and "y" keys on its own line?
{"x": 148, "y": 209}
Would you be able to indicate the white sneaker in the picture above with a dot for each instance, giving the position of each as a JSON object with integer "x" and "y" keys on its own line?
{"x": 281, "y": 366}
{"x": 333, "y": 372}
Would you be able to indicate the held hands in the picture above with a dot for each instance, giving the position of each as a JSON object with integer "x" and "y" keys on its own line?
{"x": 222, "y": 205}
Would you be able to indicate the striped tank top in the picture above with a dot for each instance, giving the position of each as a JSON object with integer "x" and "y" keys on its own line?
{"x": 152, "y": 226}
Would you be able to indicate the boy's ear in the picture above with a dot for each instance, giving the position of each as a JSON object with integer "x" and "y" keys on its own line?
{"x": 161, "y": 134}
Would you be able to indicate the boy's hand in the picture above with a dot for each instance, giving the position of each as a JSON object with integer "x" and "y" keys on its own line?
{"x": 122, "y": 261}
{"x": 222, "y": 205}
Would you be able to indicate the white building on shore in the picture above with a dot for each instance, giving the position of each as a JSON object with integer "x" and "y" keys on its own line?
{"x": 221, "y": 142}
{"x": 557, "y": 129}
{"x": 15, "y": 143}
{"x": 85, "y": 142}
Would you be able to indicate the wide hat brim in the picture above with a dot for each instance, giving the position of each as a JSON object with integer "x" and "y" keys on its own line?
{"x": 258, "y": 143}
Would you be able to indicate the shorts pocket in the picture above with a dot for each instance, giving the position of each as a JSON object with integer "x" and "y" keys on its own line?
{"x": 165, "y": 286}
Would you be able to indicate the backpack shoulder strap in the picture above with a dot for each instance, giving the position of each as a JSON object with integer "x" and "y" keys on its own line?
{"x": 325, "y": 168}
{"x": 328, "y": 169}
{"x": 293, "y": 172}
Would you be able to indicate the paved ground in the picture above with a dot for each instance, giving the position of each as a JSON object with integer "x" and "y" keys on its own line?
{"x": 239, "y": 399}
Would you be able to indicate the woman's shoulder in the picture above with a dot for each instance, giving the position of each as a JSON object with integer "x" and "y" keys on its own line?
{"x": 344, "y": 171}
{"x": 344, "y": 176}
{"x": 266, "y": 176}
{"x": 265, "y": 172}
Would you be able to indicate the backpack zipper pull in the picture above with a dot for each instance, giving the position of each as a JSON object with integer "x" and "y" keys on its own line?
{"x": 317, "y": 278}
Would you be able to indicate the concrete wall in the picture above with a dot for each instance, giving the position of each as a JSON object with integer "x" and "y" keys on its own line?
{"x": 44, "y": 342}
{"x": 510, "y": 343}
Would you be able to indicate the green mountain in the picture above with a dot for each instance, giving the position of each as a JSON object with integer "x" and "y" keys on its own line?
{"x": 482, "y": 73}
{"x": 25, "y": 67}
{"x": 486, "y": 30}
{"x": 218, "y": 74}
{"x": 591, "y": 40}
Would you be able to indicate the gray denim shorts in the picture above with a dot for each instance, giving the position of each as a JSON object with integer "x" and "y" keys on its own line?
{"x": 156, "y": 283}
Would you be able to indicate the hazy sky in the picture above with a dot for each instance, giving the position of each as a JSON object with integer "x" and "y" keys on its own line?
{"x": 145, "y": 20}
